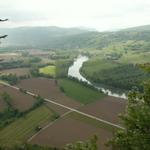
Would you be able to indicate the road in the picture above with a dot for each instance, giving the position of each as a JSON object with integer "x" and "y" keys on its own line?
{"x": 69, "y": 108}
{"x": 50, "y": 124}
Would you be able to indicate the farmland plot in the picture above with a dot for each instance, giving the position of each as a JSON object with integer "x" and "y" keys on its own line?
{"x": 24, "y": 127}
{"x": 107, "y": 108}
{"x": 17, "y": 71}
{"x": 19, "y": 100}
{"x": 67, "y": 130}
{"x": 48, "y": 88}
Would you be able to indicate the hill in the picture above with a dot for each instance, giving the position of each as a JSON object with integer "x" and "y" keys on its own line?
{"x": 139, "y": 28}
{"x": 36, "y": 37}
{"x": 136, "y": 38}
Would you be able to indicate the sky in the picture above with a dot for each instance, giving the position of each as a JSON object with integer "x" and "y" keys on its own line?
{"x": 97, "y": 14}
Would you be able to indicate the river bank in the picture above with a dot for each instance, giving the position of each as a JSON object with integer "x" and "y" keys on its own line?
{"x": 74, "y": 71}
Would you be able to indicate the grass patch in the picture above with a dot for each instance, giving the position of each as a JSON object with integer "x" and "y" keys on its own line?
{"x": 79, "y": 92}
{"x": 23, "y": 128}
{"x": 48, "y": 70}
{"x": 91, "y": 121}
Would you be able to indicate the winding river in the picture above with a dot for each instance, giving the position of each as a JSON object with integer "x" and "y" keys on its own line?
{"x": 74, "y": 71}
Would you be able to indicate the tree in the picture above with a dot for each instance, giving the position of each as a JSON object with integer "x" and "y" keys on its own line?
{"x": 10, "y": 78}
{"x": 7, "y": 98}
{"x": 136, "y": 135}
{"x": 4, "y": 36}
{"x": 87, "y": 145}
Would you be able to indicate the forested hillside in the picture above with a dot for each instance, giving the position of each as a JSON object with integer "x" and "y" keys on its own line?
{"x": 73, "y": 38}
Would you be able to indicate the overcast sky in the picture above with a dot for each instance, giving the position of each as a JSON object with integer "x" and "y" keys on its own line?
{"x": 99, "y": 14}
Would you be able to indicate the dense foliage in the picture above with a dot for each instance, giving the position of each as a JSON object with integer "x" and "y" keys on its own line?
{"x": 13, "y": 78}
{"x": 13, "y": 64}
{"x": 136, "y": 135}
{"x": 34, "y": 60}
{"x": 90, "y": 144}
{"x": 10, "y": 113}
{"x": 121, "y": 76}
{"x": 62, "y": 67}
{"x": 73, "y": 38}
{"x": 27, "y": 147}
{"x": 10, "y": 78}
{"x": 86, "y": 145}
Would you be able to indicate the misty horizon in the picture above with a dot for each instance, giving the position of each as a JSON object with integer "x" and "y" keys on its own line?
{"x": 96, "y": 14}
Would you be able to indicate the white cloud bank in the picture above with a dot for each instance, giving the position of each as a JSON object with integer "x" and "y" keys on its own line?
{"x": 99, "y": 14}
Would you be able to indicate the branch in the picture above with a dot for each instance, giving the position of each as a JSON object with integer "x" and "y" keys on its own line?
{"x": 4, "y": 36}
{"x": 3, "y": 20}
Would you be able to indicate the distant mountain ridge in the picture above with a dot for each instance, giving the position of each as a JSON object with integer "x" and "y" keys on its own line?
{"x": 139, "y": 28}
{"x": 73, "y": 38}
{"x": 36, "y": 37}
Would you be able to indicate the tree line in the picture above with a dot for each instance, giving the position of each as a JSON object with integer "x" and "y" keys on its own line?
{"x": 122, "y": 77}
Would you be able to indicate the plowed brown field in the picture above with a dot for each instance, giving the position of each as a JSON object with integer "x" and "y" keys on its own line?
{"x": 19, "y": 100}
{"x": 68, "y": 130}
{"x": 107, "y": 108}
{"x": 47, "y": 88}
{"x": 17, "y": 71}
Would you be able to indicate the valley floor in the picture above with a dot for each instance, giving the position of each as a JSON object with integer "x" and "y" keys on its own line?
{"x": 71, "y": 126}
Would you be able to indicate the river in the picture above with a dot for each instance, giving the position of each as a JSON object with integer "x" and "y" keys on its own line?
{"x": 74, "y": 71}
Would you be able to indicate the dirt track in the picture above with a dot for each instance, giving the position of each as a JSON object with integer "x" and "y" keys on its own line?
{"x": 53, "y": 101}
{"x": 65, "y": 131}
{"x": 48, "y": 89}
{"x": 108, "y": 108}
{"x": 68, "y": 130}
{"x": 58, "y": 109}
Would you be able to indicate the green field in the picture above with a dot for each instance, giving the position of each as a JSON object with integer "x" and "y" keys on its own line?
{"x": 79, "y": 92}
{"x": 48, "y": 70}
{"x": 23, "y": 128}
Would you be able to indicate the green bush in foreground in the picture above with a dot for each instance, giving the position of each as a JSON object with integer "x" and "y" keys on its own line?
{"x": 27, "y": 147}
{"x": 87, "y": 145}
{"x": 136, "y": 135}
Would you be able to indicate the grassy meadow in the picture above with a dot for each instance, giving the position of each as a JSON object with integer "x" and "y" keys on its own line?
{"x": 48, "y": 70}
{"x": 23, "y": 128}
{"x": 79, "y": 92}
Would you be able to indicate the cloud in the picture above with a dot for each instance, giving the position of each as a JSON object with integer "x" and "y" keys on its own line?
{"x": 99, "y": 14}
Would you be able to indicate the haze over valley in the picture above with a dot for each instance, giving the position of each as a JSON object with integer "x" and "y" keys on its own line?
{"x": 75, "y": 75}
